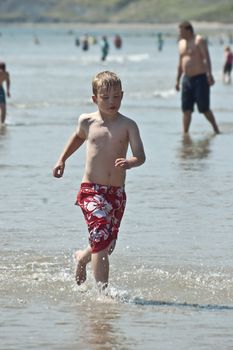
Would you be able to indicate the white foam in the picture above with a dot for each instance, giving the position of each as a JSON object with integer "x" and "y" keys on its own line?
{"x": 165, "y": 93}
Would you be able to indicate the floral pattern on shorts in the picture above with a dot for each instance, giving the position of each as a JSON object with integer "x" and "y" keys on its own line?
{"x": 103, "y": 208}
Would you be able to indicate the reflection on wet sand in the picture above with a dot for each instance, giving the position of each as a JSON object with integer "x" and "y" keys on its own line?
{"x": 2, "y": 129}
{"x": 198, "y": 149}
{"x": 100, "y": 329}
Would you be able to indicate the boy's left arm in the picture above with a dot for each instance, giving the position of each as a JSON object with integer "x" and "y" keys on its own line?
{"x": 138, "y": 154}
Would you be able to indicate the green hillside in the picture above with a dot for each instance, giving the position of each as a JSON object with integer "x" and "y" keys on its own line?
{"x": 116, "y": 11}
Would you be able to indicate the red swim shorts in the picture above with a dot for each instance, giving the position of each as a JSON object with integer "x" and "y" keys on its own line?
{"x": 103, "y": 208}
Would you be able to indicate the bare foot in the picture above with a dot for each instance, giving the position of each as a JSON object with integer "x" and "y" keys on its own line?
{"x": 80, "y": 273}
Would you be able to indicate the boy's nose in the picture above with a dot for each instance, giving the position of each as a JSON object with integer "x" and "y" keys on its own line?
{"x": 111, "y": 99}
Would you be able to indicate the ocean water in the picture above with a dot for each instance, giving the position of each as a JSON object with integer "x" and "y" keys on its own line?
{"x": 171, "y": 274}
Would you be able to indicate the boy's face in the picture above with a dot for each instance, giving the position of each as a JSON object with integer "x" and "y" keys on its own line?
{"x": 108, "y": 100}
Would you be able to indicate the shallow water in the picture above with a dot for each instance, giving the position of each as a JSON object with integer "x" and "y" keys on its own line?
{"x": 171, "y": 278}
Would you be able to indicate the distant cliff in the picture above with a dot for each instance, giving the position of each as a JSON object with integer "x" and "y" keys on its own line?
{"x": 116, "y": 11}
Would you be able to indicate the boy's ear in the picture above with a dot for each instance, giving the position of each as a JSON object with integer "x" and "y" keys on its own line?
{"x": 94, "y": 99}
{"x": 122, "y": 94}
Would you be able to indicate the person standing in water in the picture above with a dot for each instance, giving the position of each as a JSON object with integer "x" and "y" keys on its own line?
{"x": 195, "y": 67}
{"x": 160, "y": 41}
{"x": 102, "y": 196}
{"x": 104, "y": 48}
{"x": 4, "y": 78}
{"x": 227, "y": 67}
{"x": 117, "y": 41}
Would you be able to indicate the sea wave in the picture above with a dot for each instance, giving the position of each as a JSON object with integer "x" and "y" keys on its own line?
{"x": 29, "y": 275}
{"x": 164, "y": 93}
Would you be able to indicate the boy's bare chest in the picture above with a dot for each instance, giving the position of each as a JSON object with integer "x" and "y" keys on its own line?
{"x": 106, "y": 134}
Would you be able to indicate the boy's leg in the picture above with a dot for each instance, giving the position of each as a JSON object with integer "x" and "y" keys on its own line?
{"x": 82, "y": 257}
{"x": 111, "y": 246}
{"x": 100, "y": 266}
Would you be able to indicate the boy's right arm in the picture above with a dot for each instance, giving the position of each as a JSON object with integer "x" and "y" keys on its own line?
{"x": 75, "y": 141}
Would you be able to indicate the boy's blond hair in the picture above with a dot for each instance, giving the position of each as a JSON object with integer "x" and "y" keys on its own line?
{"x": 105, "y": 80}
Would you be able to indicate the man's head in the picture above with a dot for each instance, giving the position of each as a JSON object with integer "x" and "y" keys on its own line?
{"x": 186, "y": 29}
{"x": 105, "y": 80}
{"x": 2, "y": 66}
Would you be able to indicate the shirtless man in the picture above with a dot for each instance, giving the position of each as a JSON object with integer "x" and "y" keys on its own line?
{"x": 4, "y": 77}
{"x": 102, "y": 195}
{"x": 195, "y": 66}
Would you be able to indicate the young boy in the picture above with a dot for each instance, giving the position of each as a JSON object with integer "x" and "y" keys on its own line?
{"x": 4, "y": 77}
{"x": 102, "y": 195}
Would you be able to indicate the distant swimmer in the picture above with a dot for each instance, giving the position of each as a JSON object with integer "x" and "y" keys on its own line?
{"x": 195, "y": 67}
{"x": 104, "y": 48}
{"x": 77, "y": 42}
{"x": 160, "y": 41}
{"x": 92, "y": 40}
{"x": 227, "y": 67}
{"x": 117, "y": 41}
{"x": 4, "y": 79}
{"x": 102, "y": 197}
{"x": 85, "y": 43}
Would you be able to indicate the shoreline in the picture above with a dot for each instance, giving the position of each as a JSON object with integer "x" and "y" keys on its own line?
{"x": 212, "y": 26}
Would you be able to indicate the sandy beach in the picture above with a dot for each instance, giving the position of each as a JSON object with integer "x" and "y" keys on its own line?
{"x": 171, "y": 282}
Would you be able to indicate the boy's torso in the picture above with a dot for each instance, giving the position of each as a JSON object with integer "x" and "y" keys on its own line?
{"x": 106, "y": 140}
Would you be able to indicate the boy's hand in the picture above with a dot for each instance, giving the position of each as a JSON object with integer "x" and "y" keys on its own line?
{"x": 58, "y": 170}
{"x": 122, "y": 163}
